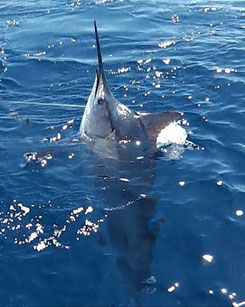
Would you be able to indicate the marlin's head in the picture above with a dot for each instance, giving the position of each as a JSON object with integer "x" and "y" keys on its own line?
{"x": 101, "y": 105}
{"x": 106, "y": 118}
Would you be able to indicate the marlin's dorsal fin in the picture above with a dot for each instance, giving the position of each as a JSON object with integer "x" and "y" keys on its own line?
{"x": 155, "y": 122}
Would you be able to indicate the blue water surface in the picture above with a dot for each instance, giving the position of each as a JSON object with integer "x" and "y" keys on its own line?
{"x": 60, "y": 244}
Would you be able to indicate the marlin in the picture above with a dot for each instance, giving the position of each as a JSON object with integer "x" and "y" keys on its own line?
{"x": 123, "y": 144}
{"x": 105, "y": 118}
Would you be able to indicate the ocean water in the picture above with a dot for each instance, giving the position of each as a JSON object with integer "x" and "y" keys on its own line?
{"x": 68, "y": 234}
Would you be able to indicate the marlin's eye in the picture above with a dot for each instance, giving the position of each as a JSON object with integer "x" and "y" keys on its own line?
{"x": 100, "y": 101}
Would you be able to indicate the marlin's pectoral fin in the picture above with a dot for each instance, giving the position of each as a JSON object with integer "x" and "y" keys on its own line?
{"x": 155, "y": 122}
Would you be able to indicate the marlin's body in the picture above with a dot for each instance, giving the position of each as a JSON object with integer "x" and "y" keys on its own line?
{"x": 122, "y": 144}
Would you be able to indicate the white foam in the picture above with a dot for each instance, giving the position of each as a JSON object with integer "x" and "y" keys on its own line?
{"x": 172, "y": 134}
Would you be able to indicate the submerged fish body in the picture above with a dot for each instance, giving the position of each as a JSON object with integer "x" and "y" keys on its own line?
{"x": 124, "y": 181}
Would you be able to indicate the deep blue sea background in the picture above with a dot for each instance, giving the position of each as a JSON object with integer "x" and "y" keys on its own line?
{"x": 159, "y": 55}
